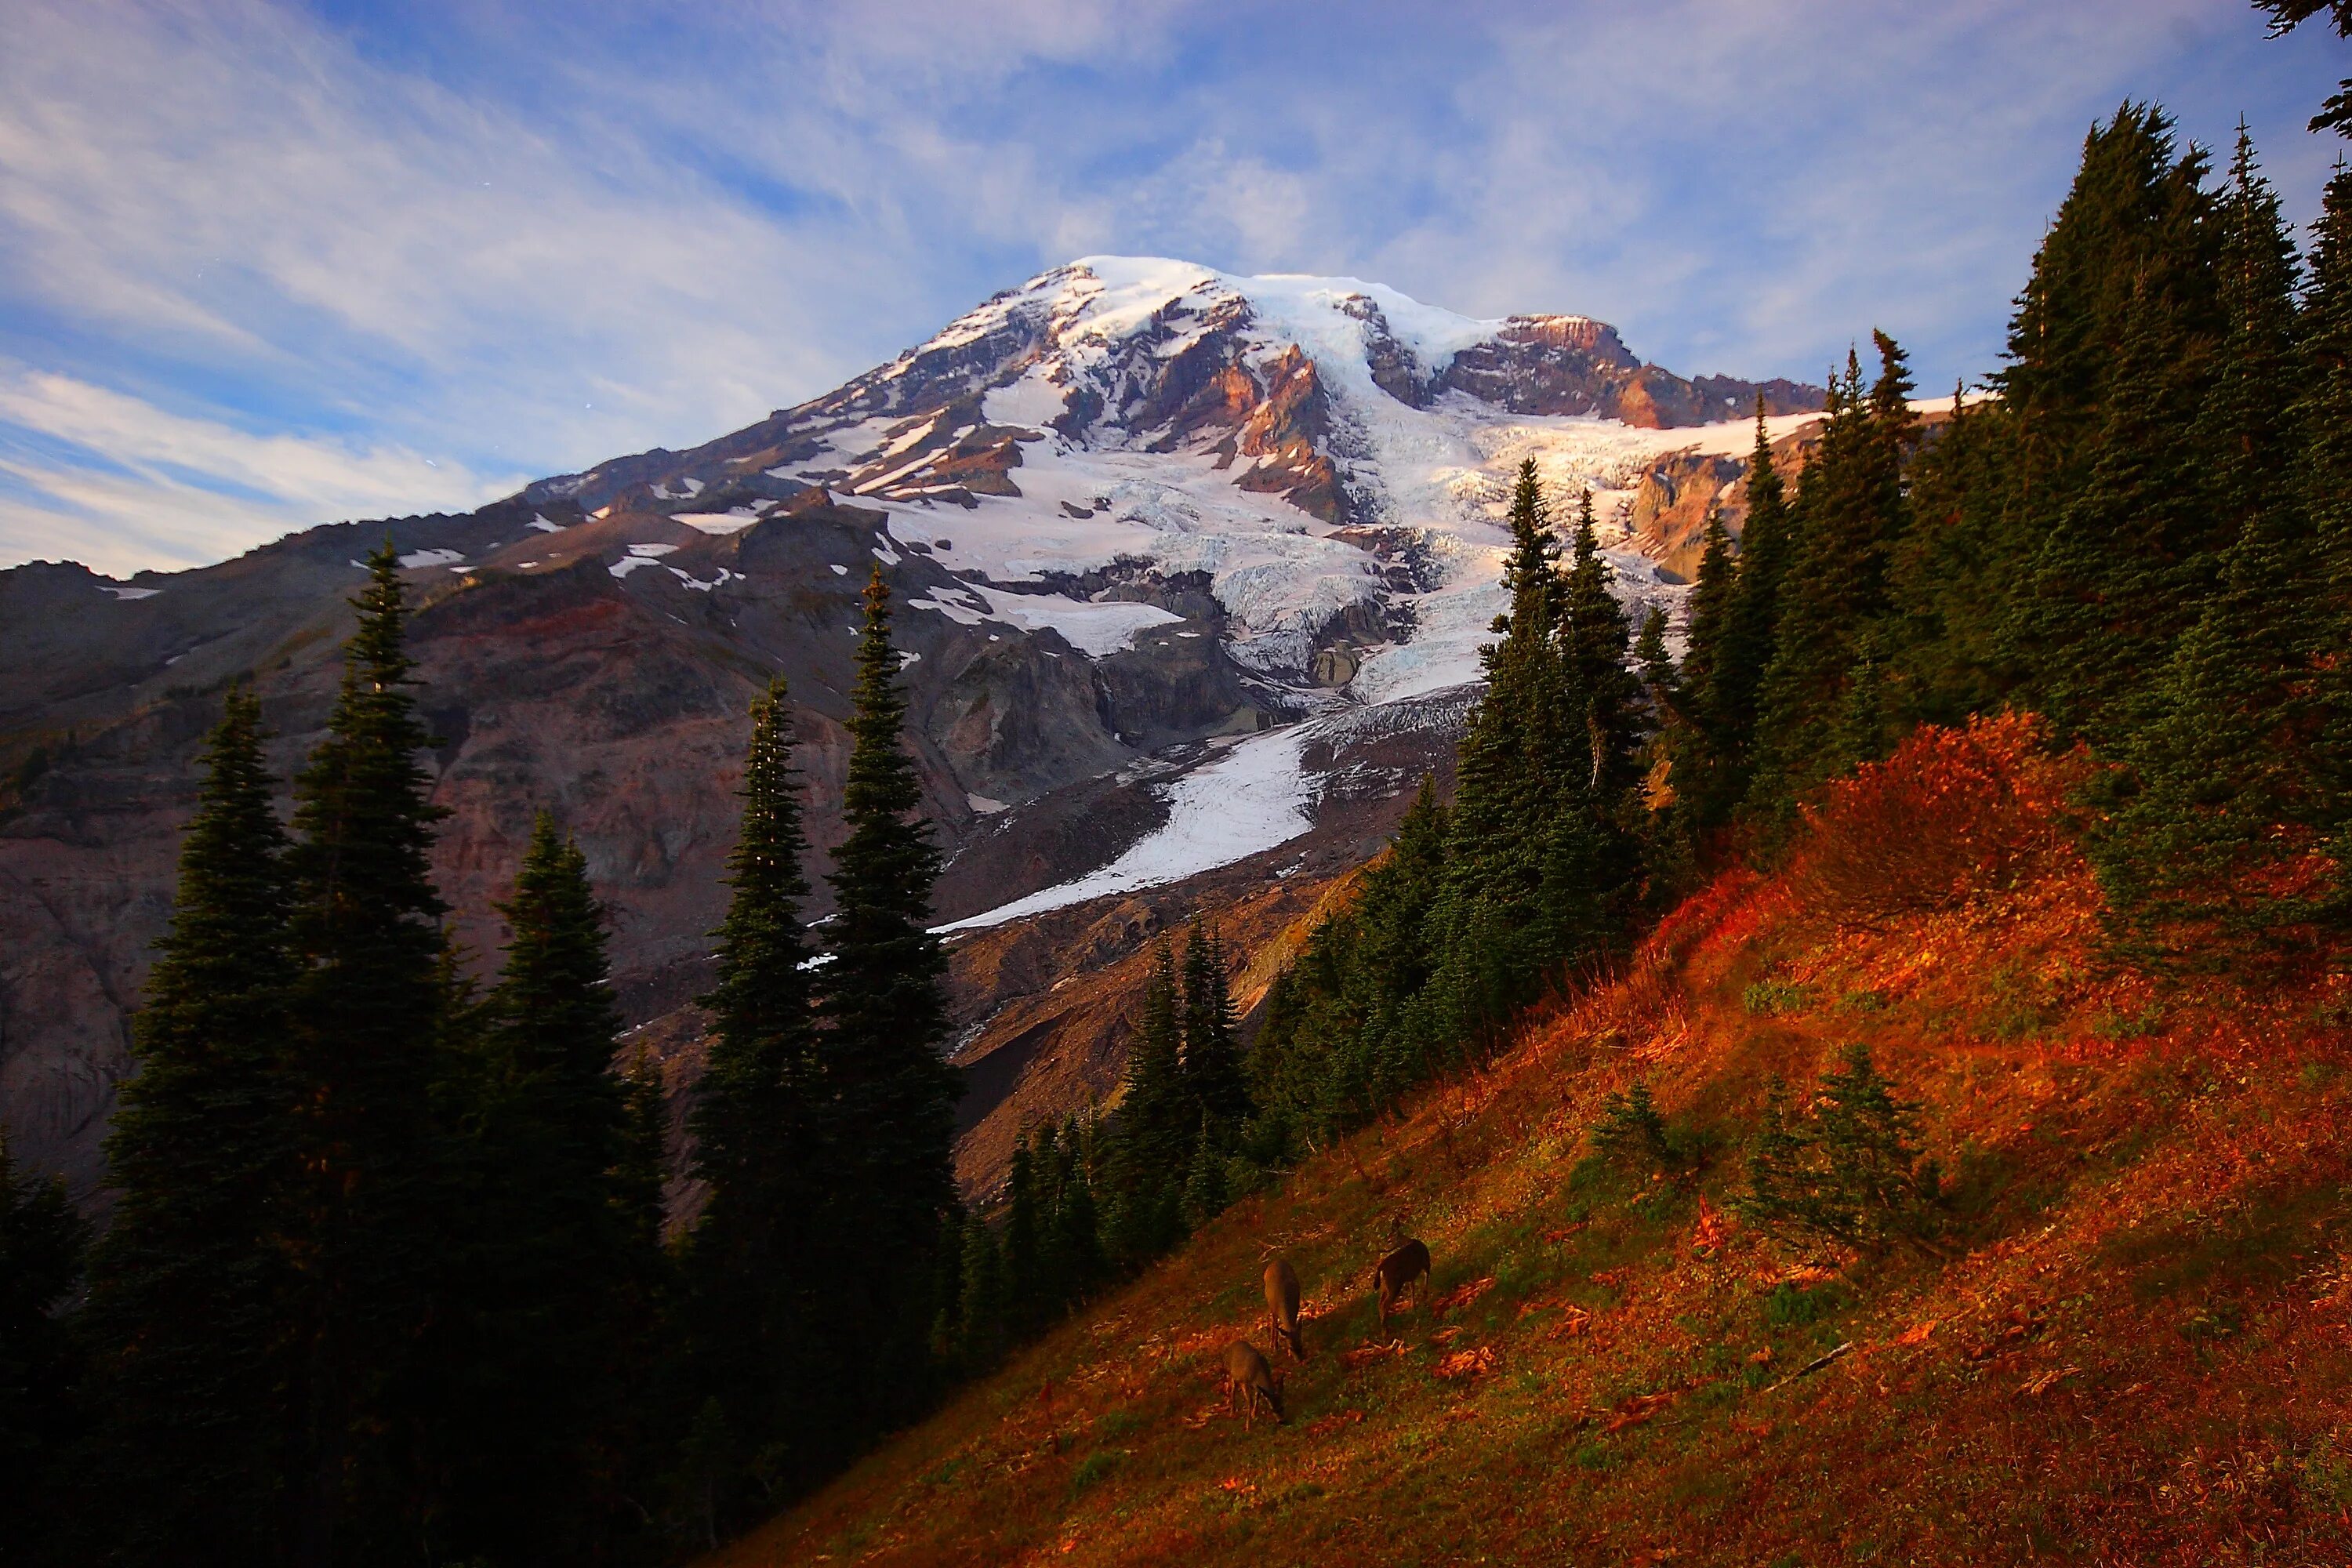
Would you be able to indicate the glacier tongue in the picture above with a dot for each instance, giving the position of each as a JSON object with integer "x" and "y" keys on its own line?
{"x": 1256, "y": 796}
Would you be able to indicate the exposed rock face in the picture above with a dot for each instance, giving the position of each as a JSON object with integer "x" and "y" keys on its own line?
{"x": 1670, "y": 507}
{"x": 1569, "y": 365}
{"x": 1125, "y": 511}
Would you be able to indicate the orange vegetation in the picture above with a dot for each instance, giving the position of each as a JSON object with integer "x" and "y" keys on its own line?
{"x": 2131, "y": 1344}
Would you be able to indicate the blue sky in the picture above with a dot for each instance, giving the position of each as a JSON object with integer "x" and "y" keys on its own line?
{"x": 267, "y": 266}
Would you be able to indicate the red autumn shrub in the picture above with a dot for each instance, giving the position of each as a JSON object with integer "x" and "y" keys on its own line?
{"x": 1952, "y": 814}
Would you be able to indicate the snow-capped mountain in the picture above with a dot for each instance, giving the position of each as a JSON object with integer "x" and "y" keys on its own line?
{"x": 1192, "y": 571}
{"x": 1330, "y": 457}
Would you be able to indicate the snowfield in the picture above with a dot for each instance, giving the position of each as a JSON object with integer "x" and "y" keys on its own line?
{"x": 1251, "y": 798}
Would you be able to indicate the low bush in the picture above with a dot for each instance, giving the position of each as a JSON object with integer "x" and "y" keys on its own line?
{"x": 1951, "y": 813}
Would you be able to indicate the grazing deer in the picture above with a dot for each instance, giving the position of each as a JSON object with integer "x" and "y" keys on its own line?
{"x": 1282, "y": 1306}
{"x": 1247, "y": 1374}
{"x": 1393, "y": 1274}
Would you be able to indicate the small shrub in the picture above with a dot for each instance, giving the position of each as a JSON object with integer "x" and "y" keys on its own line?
{"x": 1773, "y": 998}
{"x": 1864, "y": 1002}
{"x": 1788, "y": 1307}
{"x": 1096, "y": 1467}
{"x": 1846, "y": 1168}
{"x": 2327, "y": 1471}
{"x": 2121, "y": 1026}
{"x": 1633, "y": 1135}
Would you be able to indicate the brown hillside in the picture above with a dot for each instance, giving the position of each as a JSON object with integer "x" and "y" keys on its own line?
{"x": 2132, "y": 1341}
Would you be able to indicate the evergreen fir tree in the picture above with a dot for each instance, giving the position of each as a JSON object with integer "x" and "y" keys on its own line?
{"x": 1662, "y": 688}
{"x": 1708, "y": 612}
{"x": 1077, "y": 1242}
{"x": 552, "y": 1303}
{"x": 1027, "y": 1291}
{"x": 1852, "y": 509}
{"x": 1204, "y": 1180}
{"x": 885, "y": 1019}
{"x": 1157, "y": 1119}
{"x": 1768, "y": 548}
{"x": 2131, "y": 230}
{"x": 2232, "y": 770}
{"x": 191, "y": 1288}
{"x": 1604, "y": 697}
{"x": 1632, "y": 1133}
{"x": 42, "y": 1241}
{"x": 2128, "y": 564}
{"x": 639, "y": 1181}
{"x": 761, "y": 1122}
{"x": 1953, "y": 578}
{"x": 1213, "y": 1065}
{"x": 2326, "y": 416}
{"x": 980, "y": 1317}
{"x": 367, "y": 1014}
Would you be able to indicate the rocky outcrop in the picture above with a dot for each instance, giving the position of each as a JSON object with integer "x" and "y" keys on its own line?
{"x": 1570, "y": 364}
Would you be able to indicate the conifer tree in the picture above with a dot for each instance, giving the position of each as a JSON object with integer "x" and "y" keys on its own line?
{"x": 2231, "y": 769}
{"x": 1852, "y": 509}
{"x": 980, "y": 1315}
{"x": 1767, "y": 547}
{"x": 1157, "y": 1119}
{"x": 885, "y": 1020}
{"x": 554, "y": 1292}
{"x": 1027, "y": 1291}
{"x": 1708, "y": 614}
{"x": 191, "y": 1288}
{"x": 2131, "y": 231}
{"x": 42, "y": 1241}
{"x": 1204, "y": 1179}
{"x": 1520, "y": 752}
{"x": 1076, "y": 1243}
{"x": 1213, "y": 1065}
{"x": 2326, "y": 416}
{"x": 2125, "y": 566}
{"x": 367, "y": 1014}
{"x": 1604, "y": 697}
{"x": 761, "y": 1120}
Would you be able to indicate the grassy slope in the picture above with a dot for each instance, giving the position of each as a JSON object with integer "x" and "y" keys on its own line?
{"x": 2136, "y": 1351}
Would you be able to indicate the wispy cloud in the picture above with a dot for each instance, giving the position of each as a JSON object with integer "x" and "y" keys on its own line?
{"x": 158, "y": 490}
{"x": 260, "y": 267}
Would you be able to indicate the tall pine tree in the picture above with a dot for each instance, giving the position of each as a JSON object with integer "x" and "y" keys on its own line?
{"x": 42, "y": 1240}
{"x": 552, "y": 1322}
{"x": 192, "y": 1286}
{"x": 764, "y": 1128}
{"x": 2231, "y": 769}
{"x": 367, "y": 1014}
{"x": 886, "y": 1020}
{"x": 1212, "y": 1065}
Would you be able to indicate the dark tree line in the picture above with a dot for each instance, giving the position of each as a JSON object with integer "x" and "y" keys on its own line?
{"x": 386, "y": 1278}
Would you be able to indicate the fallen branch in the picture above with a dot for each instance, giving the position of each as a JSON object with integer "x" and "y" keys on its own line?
{"x": 1811, "y": 1366}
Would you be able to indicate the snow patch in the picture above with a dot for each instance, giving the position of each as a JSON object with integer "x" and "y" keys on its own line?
{"x": 1035, "y": 401}
{"x": 431, "y": 558}
{"x": 544, "y": 526}
{"x": 1252, "y": 798}
{"x": 640, "y": 555}
{"x": 733, "y": 521}
{"x": 127, "y": 594}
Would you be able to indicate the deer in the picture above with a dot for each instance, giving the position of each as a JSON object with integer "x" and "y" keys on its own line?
{"x": 1393, "y": 1274}
{"x": 1247, "y": 1374}
{"x": 1281, "y": 1306}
